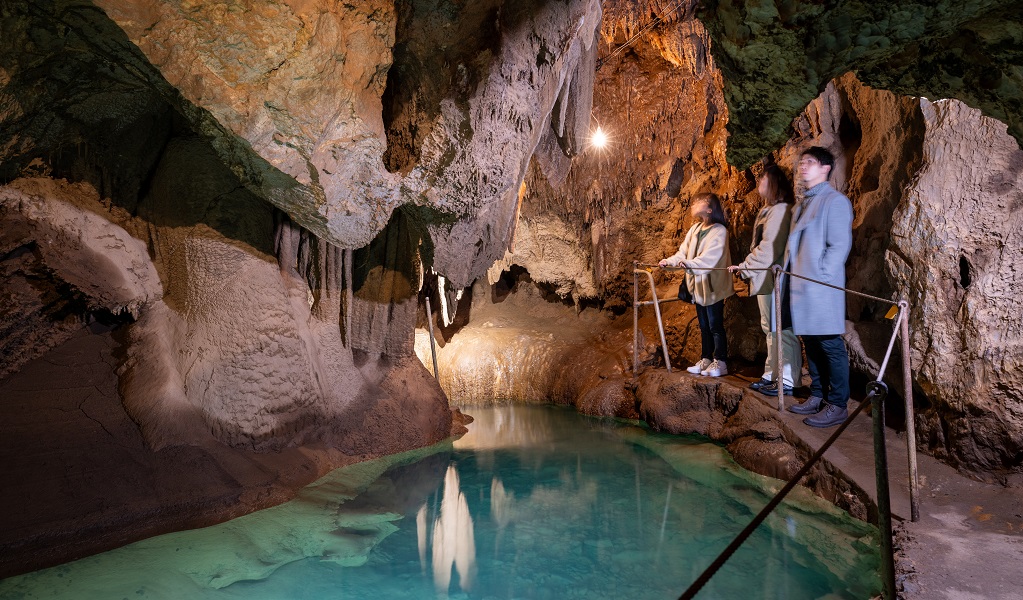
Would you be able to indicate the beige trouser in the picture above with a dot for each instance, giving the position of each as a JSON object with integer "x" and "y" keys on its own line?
{"x": 791, "y": 356}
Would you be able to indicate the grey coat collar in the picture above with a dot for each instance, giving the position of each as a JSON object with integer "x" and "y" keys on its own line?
{"x": 813, "y": 200}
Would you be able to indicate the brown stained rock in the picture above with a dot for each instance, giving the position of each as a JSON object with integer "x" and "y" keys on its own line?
{"x": 677, "y": 403}
{"x": 771, "y": 458}
{"x": 608, "y": 398}
{"x": 459, "y": 420}
{"x": 298, "y": 84}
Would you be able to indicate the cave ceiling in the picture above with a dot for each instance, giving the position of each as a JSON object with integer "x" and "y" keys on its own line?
{"x": 339, "y": 113}
{"x": 776, "y": 57}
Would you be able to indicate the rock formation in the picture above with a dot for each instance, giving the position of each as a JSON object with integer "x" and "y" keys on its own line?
{"x": 303, "y": 126}
{"x": 955, "y": 250}
{"x": 261, "y": 194}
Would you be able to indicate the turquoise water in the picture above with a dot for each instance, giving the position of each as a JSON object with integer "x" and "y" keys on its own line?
{"x": 535, "y": 502}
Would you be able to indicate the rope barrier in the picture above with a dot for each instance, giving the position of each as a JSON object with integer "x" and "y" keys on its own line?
{"x": 847, "y": 290}
{"x": 762, "y": 515}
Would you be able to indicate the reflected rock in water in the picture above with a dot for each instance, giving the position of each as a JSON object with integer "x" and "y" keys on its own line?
{"x": 517, "y": 427}
{"x": 501, "y": 504}
{"x": 454, "y": 546}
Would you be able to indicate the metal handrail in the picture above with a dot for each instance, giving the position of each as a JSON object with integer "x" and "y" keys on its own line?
{"x": 635, "y": 314}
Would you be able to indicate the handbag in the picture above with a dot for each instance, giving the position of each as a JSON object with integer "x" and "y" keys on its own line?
{"x": 684, "y": 294}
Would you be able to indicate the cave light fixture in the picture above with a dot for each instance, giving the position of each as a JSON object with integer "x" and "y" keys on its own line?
{"x": 599, "y": 138}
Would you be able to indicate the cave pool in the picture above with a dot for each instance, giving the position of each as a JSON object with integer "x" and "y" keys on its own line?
{"x": 534, "y": 502}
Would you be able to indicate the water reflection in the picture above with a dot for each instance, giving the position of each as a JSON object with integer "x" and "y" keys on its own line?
{"x": 534, "y": 503}
{"x": 454, "y": 546}
{"x": 514, "y": 427}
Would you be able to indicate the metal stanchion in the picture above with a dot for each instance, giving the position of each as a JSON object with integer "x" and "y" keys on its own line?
{"x": 433, "y": 342}
{"x": 779, "y": 379}
{"x": 907, "y": 387}
{"x": 884, "y": 505}
{"x": 657, "y": 312}
{"x": 635, "y": 318}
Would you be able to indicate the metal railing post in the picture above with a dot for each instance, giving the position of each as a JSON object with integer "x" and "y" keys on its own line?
{"x": 635, "y": 319}
{"x": 884, "y": 504}
{"x": 657, "y": 311}
{"x": 779, "y": 375}
{"x": 907, "y": 387}
{"x": 433, "y": 342}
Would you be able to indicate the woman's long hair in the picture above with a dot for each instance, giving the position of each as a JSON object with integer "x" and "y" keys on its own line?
{"x": 778, "y": 185}
{"x": 717, "y": 214}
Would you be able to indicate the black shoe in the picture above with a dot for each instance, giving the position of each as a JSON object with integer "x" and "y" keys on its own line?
{"x": 829, "y": 417}
{"x": 756, "y": 385}
{"x": 810, "y": 407}
{"x": 772, "y": 390}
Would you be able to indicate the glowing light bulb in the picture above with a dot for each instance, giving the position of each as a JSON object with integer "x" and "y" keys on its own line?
{"x": 599, "y": 138}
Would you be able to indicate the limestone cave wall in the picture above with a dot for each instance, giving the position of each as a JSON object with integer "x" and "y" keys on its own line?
{"x": 283, "y": 197}
{"x": 257, "y": 192}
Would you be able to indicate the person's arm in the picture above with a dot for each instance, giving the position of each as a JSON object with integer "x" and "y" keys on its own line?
{"x": 677, "y": 259}
{"x": 837, "y": 236}
{"x": 711, "y": 250}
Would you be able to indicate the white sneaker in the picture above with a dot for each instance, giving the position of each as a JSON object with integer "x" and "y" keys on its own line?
{"x": 715, "y": 369}
{"x": 699, "y": 367}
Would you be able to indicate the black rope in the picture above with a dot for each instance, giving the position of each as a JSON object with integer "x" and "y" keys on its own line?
{"x": 738, "y": 541}
{"x": 853, "y": 292}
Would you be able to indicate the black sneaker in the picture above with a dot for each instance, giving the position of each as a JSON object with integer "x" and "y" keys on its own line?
{"x": 756, "y": 385}
{"x": 772, "y": 390}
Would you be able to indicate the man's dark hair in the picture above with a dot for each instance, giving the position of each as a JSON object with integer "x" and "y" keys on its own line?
{"x": 822, "y": 156}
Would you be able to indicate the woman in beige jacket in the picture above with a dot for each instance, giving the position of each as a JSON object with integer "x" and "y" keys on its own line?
{"x": 704, "y": 247}
{"x": 770, "y": 234}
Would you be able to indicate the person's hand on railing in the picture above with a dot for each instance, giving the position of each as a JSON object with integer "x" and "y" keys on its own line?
{"x": 664, "y": 264}
{"x": 733, "y": 269}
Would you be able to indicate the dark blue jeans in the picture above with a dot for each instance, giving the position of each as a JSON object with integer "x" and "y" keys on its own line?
{"x": 712, "y": 331}
{"x": 828, "y": 363}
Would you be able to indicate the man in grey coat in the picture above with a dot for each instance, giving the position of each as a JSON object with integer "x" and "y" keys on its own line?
{"x": 819, "y": 242}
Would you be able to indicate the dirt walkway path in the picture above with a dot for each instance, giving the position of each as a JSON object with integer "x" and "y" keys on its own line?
{"x": 968, "y": 543}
